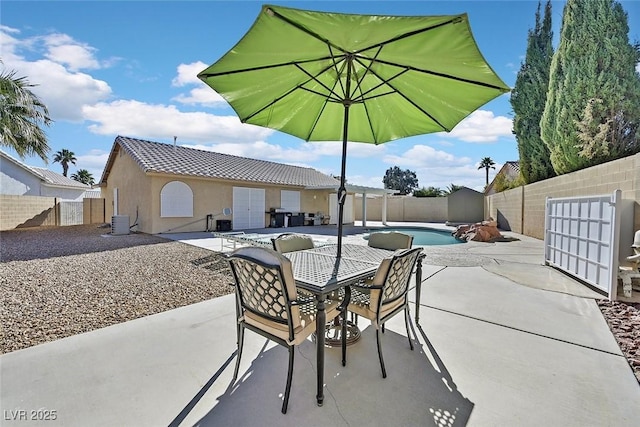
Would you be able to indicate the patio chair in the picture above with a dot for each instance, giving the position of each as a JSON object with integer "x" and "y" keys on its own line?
{"x": 268, "y": 303}
{"x": 390, "y": 240}
{"x": 385, "y": 295}
{"x": 289, "y": 242}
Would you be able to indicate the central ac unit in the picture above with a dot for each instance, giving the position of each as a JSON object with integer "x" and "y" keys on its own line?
{"x": 119, "y": 225}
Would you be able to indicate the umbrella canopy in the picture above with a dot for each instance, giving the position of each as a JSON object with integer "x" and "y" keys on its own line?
{"x": 343, "y": 77}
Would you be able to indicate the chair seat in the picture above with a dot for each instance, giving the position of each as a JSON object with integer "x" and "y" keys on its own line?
{"x": 300, "y": 333}
{"x": 360, "y": 304}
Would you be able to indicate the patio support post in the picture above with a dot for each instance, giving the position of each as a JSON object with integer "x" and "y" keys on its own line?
{"x": 384, "y": 209}
{"x": 364, "y": 208}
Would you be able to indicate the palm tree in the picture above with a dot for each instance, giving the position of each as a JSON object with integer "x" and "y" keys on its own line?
{"x": 83, "y": 176}
{"x": 452, "y": 188}
{"x": 64, "y": 157}
{"x": 485, "y": 164}
{"x": 21, "y": 115}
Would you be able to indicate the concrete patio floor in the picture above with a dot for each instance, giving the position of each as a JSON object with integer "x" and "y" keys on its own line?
{"x": 502, "y": 340}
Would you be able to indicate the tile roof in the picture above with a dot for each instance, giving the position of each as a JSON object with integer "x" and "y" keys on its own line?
{"x": 171, "y": 159}
{"x": 514, "y": 165}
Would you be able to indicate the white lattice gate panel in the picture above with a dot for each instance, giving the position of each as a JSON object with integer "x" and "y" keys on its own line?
{"x": 581, "y": 238}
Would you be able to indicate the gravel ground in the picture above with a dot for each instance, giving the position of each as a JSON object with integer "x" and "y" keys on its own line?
{"x": 61, "y": 281}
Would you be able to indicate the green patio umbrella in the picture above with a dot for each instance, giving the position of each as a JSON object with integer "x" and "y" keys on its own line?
{"x": 343, "y": 77}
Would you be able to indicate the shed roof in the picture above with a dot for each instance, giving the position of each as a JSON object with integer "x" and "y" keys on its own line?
{"x": 176, "y": 160}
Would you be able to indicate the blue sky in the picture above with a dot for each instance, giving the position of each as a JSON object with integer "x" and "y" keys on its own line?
{"x": 129, "y": 68}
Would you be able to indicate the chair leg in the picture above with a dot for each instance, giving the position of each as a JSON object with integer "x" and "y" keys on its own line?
{"x": 407, "y": 319}
{"x": 289, "y": 375}
{"x": 239, "y": 353}
{"x": 384, "y": 371}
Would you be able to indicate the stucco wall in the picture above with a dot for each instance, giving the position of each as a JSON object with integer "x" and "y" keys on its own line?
{"x": 26, "y": 211}
{"x": 75, "y": 194}
{"x": 526, "y": 204}
{"x": 404, "y": 208}
{"x": 133, "y": 192}
{"x": 140, "y": 192}
{"x": 465, "y": 206}
{"x": 15, "y": 180}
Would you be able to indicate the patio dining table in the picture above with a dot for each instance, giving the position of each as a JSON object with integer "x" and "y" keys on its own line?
{"x": 321, "y": 272}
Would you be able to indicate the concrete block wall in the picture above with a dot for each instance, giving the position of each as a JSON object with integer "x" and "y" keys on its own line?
{"x": 506, "y": 208}
{"x": 93, "y": 211}
{"x": 622, "y": 174}
{"x": 26, "y": 211}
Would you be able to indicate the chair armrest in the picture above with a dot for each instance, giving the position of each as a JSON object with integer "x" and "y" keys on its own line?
{"x": 364, "y": 285}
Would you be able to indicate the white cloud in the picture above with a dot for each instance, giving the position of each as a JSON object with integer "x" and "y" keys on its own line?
{"x": 62, "y": 90}
{"x": 63, "y": 49}
{"x": 201, "y": 94}
{"x": 188, "y": 74}
{"x": 424, "y": 156}
{"x": 134, "y": 118}
{"x": 638, "y": 67}
{"x": 481, "y": 126}
{"x": 65, "y": 93}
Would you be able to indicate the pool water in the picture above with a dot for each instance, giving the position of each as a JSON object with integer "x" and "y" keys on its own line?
{"x": 424, "y": 236}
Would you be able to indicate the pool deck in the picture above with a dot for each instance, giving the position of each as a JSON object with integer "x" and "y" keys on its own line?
{"x": 502, "y": 341}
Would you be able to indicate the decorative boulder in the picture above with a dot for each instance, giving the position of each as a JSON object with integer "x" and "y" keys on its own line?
{"x": 484, "y": 231}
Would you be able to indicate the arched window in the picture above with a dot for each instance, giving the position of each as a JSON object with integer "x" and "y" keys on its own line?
{"x": 176, "y": 200}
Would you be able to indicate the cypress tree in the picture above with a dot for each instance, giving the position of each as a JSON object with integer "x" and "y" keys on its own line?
{"x": 528, "y": 100}
{"x": 594, "y": 89}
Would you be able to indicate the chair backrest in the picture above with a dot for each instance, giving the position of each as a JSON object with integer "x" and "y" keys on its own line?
{"x": 390, "y": 240}
{"x": 289, "y": 242}
{"x": 394, "y": 275}
{"x": 265, "y": 285}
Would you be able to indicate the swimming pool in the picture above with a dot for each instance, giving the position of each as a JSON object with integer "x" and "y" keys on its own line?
{"x": 423, "y": 236}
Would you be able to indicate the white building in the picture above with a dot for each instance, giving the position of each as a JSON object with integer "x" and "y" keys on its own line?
{"x": 18, "y": 179}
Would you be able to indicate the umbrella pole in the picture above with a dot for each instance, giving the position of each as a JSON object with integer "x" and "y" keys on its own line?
{"x": 342, "y": 191}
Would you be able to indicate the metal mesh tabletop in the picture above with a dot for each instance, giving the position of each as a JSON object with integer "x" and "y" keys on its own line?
{"x": 322, "y": 273}
{"x": 359, "y": 252}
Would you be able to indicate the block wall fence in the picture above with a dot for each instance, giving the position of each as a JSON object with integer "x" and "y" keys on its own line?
{"x": 522, "y": 209}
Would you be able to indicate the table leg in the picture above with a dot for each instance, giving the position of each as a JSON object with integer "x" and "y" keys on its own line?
{"x": 320, "y": 330}
{"x": 418, "y": 285}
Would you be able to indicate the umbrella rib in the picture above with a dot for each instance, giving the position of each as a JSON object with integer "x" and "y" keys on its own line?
{"x": 305, "y": 30}
{"x": 443, "y": 75}
{"x": 330, "y": 94}
{"x": 204, "y": 75}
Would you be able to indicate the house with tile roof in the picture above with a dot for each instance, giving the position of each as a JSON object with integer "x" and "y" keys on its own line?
{"x": 168, "y": 188}
{"x": 510, "y": 171}
{"x": 18, "y": 179}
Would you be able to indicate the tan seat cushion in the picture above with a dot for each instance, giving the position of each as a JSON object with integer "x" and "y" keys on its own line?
{"x": 366, "y": 308}
{"x": 293, "y": 242}
{"x": 306, "y": 323}
{"x": 390, "y": 240}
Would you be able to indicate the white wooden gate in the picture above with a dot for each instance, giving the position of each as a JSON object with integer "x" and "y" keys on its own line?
{"x": 70, "y": 213}
{"x": 582, "y": 238}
